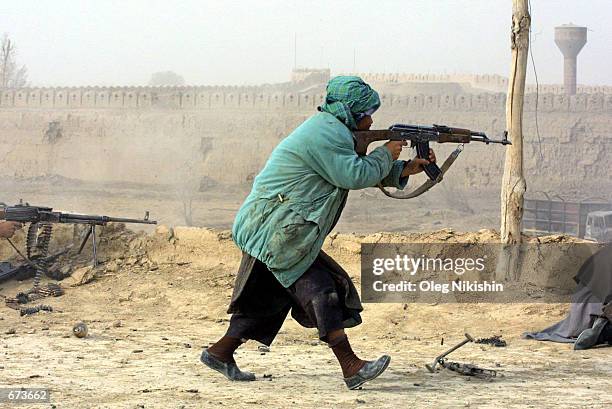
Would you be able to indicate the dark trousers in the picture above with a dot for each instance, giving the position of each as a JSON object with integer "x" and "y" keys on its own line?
{"x": 314, "y": 300}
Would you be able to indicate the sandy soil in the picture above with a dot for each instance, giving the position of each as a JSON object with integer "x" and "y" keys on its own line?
{"x": 159, "y": 299}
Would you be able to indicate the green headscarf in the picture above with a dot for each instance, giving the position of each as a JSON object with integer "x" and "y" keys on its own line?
{"x": 348, "y": 96}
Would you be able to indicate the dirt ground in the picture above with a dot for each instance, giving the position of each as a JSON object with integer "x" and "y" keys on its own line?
{"x": 159, "y": 299}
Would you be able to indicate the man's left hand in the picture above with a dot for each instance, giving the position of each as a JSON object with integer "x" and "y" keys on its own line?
{"x": 416, "y": 165}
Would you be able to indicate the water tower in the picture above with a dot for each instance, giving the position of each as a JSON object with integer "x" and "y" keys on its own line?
{"x": 570, "y": 39}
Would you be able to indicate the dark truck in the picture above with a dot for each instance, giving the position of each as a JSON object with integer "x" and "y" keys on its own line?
{"x": 590, "y": 219}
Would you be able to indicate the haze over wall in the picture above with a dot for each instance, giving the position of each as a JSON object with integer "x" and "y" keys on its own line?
{"x": 65, "y": 42}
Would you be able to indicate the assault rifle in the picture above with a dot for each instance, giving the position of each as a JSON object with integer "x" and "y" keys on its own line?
{"x": 41, "y": 220}
{"x": 420, "y": 137}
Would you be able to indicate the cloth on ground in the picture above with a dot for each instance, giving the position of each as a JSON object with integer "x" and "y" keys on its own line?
{"x": 583, "y": 310}
{"x": 594, "y": 290}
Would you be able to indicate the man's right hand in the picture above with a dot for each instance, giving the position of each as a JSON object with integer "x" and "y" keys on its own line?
{"x": 7, "y": 229}
{"x": 395, "y": 147}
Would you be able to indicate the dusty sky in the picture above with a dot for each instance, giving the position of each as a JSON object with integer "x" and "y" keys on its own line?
{"x": 110, "y": 42}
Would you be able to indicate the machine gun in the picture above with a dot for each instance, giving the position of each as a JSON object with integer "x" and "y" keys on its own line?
{"x": 420, "y": 137}
{"x": 39, "y": 232}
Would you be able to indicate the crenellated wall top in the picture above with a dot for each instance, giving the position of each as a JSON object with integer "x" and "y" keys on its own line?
{"x": 488, "y": 82}
{"x": 202, "y": 98}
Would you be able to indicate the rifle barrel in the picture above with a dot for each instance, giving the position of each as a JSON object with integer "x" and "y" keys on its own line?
{"x": 94, "y": 219}
{"x": 485, "y": 139}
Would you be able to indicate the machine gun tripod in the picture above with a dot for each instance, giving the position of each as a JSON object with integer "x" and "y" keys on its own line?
{"x": 41, "y": 220}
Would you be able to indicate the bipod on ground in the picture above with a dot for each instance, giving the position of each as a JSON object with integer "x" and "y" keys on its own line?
{"x": 462, "y": 369}
{"x": 432, "y": 368}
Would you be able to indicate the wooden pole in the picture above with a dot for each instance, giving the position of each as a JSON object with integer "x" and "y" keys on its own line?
{"x": 513, "y": 183}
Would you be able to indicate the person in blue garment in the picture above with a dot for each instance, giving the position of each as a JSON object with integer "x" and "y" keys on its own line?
{"x": 294, "y": 204}
{"x": 588, "y": 323}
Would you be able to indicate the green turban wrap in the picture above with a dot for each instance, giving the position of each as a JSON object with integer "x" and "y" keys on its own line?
{"x": 347, "y": 97}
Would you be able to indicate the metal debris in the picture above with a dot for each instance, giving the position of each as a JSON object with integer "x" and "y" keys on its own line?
{"x": 34, "y": 310}
{"x": 80, "y": 330}
{"x": 34, "y": 294}
{"x": 463, "y": 369}
{"x": 495, "y": 340}
{"x": 469, "y": 370}
{"x": 440, "y": 358}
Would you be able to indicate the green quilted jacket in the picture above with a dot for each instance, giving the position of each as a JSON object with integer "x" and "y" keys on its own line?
{"x": 298, "y": 196}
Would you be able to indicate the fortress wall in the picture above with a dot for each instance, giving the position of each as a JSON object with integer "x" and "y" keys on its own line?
{"x": 489, "y": 82}
{"x": 177, "y": 135}
{"x": 204, "y": 98}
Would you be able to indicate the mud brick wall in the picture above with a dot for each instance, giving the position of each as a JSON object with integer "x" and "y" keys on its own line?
{"x": 161, "y": 135}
